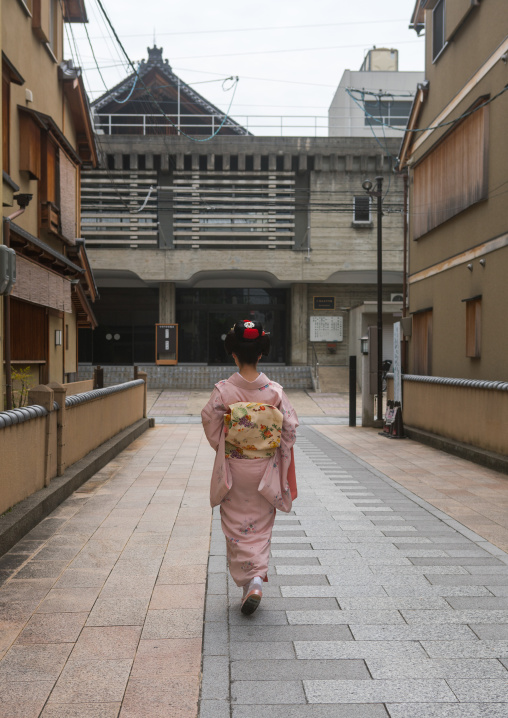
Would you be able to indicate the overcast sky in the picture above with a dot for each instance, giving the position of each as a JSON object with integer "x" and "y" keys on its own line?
{"x": 288, "y": 54}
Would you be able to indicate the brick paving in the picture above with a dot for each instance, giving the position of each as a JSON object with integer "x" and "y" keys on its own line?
{"x": 388, "y": 592}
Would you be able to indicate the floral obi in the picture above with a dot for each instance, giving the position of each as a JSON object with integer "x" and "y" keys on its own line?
{"x": 252, "y": 430}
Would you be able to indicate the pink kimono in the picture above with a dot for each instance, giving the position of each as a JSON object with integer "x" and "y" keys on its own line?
{"x": 249, "y": 490}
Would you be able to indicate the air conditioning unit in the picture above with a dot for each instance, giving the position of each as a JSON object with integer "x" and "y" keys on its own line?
{"x": 399, "y": 297}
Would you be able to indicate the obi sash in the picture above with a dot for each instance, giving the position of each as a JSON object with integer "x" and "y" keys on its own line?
{"x": 252, "y": 430}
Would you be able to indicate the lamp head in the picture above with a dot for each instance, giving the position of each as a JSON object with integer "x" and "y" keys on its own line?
{"x": 367, "y": 185}
{"x": 23, "y": 200}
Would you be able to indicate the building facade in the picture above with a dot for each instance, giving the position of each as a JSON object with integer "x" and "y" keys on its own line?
{"x": 47, "y": 138}
{"x": 376, "y": 93}
{"x": 203, "y": 234}
{"x": 458, "y": 217}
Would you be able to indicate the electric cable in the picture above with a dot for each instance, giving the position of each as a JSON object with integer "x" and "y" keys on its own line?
{"x": 194, "y": 139}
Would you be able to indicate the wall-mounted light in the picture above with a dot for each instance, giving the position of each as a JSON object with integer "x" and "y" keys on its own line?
{"x": 364, "y": 345}
{"x": 482, "y": 262}
{"x": 58, "y": 337}
{"x": 470, "y": 267}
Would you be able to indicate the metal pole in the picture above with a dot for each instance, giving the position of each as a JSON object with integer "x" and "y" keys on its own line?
{"x": 7, "y": 330}
{"x": 352, "y": 391}
{"x": 404, "y": 272}
{"x": 379, "y": 195}
{"x": 178, "y": 106}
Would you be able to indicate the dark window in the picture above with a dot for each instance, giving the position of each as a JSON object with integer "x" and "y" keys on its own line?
{"x": 141, "y": 162}
{"x": 157, "y": 163}
{"x": 249, "y": 163}
{"x": 438, "y": 28}
{"x": 126, "y": 162}
{"x": 474, "y": 328}
{"x": 111, "y": 161}
{"x": 361, "y": 209}
{"x": 391, "y": 112}
{"x": 187, "y": 163}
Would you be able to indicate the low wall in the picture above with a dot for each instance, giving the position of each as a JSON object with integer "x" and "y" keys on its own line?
{"x": 467, "y": 411}
{"x": 117, "y": 410}
{"x": 26, "y": 456}
{"x": 78, "y": 387}
{"x": 38, "y": 442}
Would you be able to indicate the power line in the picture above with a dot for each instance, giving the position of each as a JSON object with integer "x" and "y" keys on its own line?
{"x": 263, "y": 29}
{"x": 295, "y": 49}
{"x": 194, "y": 139}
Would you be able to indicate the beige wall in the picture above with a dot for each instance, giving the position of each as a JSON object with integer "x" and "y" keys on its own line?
{"x": 85, "y": 432}
{"x": 79, "y": 387}
{"x": 24, "y": 466}
{"x": 23, "y": 452}
{"x": 478, "y": 417}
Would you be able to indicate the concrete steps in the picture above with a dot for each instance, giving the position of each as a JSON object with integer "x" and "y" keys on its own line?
{"x": 198, "y": 377}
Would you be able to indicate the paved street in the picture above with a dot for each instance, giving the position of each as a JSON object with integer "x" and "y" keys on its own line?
{"x": 378, "y": 603}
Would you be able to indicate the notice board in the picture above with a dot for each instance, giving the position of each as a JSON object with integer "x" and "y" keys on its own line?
{"x": 166, "y": 343}
{"x": 326, "y": 329}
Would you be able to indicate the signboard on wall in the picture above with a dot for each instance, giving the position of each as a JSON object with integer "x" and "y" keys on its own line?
{"x": 326, "y": 329}
{"x": 166, "y": 343}
{"x": 323, "y": 303}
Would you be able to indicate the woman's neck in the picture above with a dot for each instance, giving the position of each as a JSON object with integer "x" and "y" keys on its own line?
{"x": 248, "y": 372}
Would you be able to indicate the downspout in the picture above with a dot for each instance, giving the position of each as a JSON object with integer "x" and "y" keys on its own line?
{"x": 404, "y": 271}
{"x": 7, "y": 315}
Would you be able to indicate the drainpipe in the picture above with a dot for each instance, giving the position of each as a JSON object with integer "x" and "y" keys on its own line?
{"x": 404, "y": 271}
{"x": 22, "y": 200}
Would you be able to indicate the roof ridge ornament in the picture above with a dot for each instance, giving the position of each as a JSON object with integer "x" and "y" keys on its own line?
{"x": 155, "y": 56}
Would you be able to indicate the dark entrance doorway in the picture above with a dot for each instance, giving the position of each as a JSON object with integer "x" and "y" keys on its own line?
{"x": 204, "y": 316}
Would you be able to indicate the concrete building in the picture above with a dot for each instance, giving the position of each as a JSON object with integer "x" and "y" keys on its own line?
{"x": 47, "y": 137}
{"x": 380, "y": 92}
{"x": 458, "y": 220}
{"x": 203, "y": 234}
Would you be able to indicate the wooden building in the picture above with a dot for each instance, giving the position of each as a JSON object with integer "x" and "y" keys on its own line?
{"x": 47, "y": 138}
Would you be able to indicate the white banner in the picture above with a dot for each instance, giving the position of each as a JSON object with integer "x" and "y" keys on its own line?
{"x": 397, "y": 367}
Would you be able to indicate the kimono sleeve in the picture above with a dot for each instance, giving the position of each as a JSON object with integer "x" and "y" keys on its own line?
{"x": 212, "y": 418}
{"x": 289, "y": 422}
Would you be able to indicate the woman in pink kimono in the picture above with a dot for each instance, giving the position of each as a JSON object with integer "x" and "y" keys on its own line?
{"x": 251, "y": 424}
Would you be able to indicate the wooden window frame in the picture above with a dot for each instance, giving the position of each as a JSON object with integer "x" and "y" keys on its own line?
{"x": 473, "y": 327}
{"x": 421, "y": 340}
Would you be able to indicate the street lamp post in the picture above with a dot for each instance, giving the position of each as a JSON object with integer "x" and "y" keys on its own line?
{"x": 378, "y": 193}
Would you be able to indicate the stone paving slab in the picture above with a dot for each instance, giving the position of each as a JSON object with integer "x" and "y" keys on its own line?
{"x": 416, "y": 622}
{"x": 101, "y": 615}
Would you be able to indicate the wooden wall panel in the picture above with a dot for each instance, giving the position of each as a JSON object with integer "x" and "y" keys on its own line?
{"x": 453, "y": 176}
{"x": 29, "y": 332}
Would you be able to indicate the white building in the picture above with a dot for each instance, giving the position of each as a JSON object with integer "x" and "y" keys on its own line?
{"x": 379, "y": 93}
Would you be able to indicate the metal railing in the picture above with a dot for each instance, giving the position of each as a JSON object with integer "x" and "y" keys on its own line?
{"x": 207, "y": 124}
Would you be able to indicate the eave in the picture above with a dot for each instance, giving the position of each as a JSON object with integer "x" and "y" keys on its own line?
{"x": 34, "y": 248}
{"x": 80, "y": 255}
{"x": 410, "y": 134}
{"x": 46, "y": 122}
{"x": 418, "y": 17}
{"x": 14, "y": 75}
{"x": 84, "y": 313}
{"x": 74, "y": 11}
{"x": 74, "y": 91}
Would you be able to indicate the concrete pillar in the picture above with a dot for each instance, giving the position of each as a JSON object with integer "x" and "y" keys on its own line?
{"x": 257, "y": 162}
{"x": 195, "y": 161}
{"x": 241, "y": 161}
{"x": 302, "y": 163}
{"x": 60, "y": 393}
{"x": 134, "y": 161}
{"x": 226, "y": 162}
{"x": 43, "y": 395}
{"x": 272, "y": 162}
{"x": 167, "y": 309}
{"x": 288, "y": 162}
{"x": 210, "y": 162}
{"x": 299, "y": 324}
